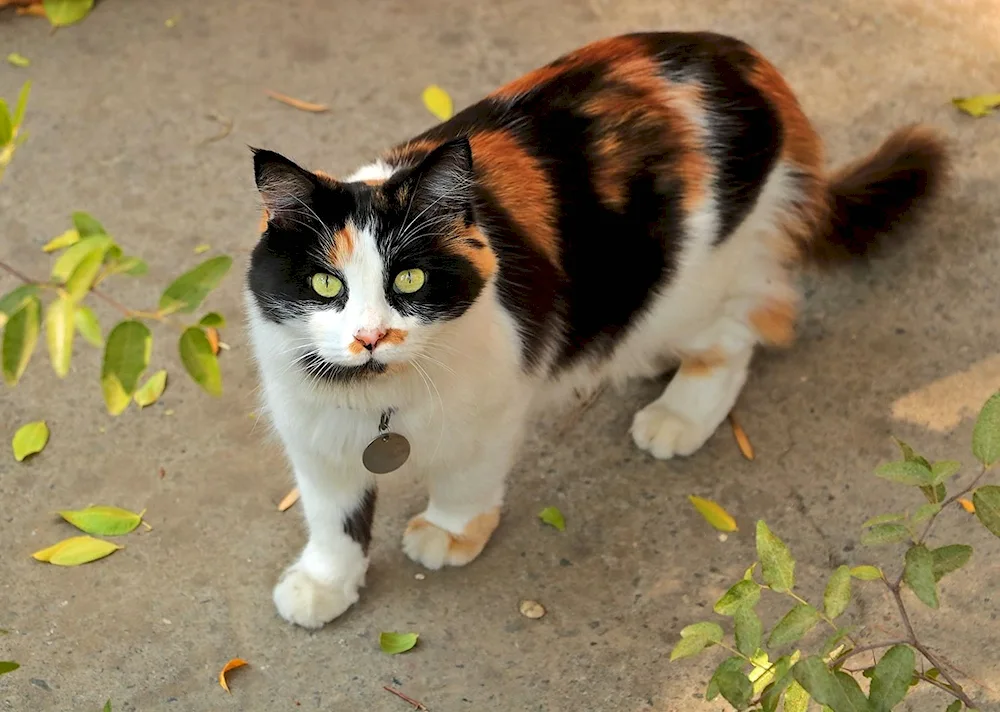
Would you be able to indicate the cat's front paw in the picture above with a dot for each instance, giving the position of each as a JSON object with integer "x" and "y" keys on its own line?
{"x": 663, "y": 433}
{"x": 434, "y": 547}
{"x": 310, "y": 603}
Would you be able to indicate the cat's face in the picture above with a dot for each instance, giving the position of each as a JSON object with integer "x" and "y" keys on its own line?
{"x": 362, "y": 278}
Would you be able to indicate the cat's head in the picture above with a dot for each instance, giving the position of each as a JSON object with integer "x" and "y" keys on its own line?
{"x": 362, "y": 277}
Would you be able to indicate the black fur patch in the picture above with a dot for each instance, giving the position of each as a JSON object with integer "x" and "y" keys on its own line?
{"x": 358, "y": 525}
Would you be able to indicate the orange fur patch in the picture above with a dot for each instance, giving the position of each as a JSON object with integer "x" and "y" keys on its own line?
{"x": 264, "y": 217}
{"x": 472, "y": 245}
{"x": 394, "y": 336}
{"x": 774, "y": 322}
{"x": 466, "y": 546}
{"x": 343, "y": 245}
{"x": 702, "y": 364}
{"x": 411, "y": 152}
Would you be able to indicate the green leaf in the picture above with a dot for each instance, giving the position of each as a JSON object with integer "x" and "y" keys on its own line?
{"x": 748, "y": 631}
{"x": 826, "y": 688}
{"x": 22, "y": 103}
{"x": 736, "y": 688}
{"x": 856, "y": 700}
{"x": 714, "y": 514}
{"x": 102, "y": 520}
{"x": 151, "y": 390}
{"x": 553, "y": 517}
{"x": 775, "y": 682}
{"x": 6, "y": 125}
{"x": 731, "y": 663}
{"x": 18, "y": 60}
{"x": 795, "y": 624}
{"x": 695, "y": 638}
{"x": 986, "y": 433}
{"x": 866, "y": 573}
{"x": 944, "y": 470}
{"x": 977, "y": 106}
{"x": 107, "y": 706}
{"x": 905, "y": 473}
{"x": 66, "y": 12}
{"x": 7, "y": 666}
{"x": 201, "y": 364}
{"x": 20, "y": 337}
{"x": 776, "y": 562}
{"x": 918, "y": 573}
{"x": 838, "y": 592}
{"x": 884, "y": 519}
{"x": 190, "y": 289}
{"x": 14, "y": 300}
{"x": 955, "y": 706}
{"x": 925, "y": 512}
{"x": 59, "y": 331}
{"x": 987, "y": 502}
{"x": 70, "y": 259}
{"x": 126, "y": 356}
{"x": 87, "y": 226}
{"x": 76, "y": 550}
{"x": 29, "y": 439}
{"x": 213, "y": 319}
{"x": 885, "y": 534}
{"x": 132, "y": 266}
{"x": 935, "y": 494}
{"x": 59, "y": 242}
{"x": 396, "y": 643}
{"x": 82, "y": 278}
{"x": 796, "y": 698}
{"x": 87, "y": 325}
{"x": 891, "y": 678}
{"x": 742, "y": 594}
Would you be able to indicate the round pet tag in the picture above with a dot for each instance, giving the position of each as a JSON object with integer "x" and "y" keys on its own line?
{"x": 386, "y": 453}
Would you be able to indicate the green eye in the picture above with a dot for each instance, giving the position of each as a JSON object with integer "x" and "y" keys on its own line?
{"x": 409, "y": 281}
{"x": 326, "y": 285}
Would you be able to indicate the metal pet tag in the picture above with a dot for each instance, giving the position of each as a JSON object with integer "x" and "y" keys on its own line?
{"x": 387, "y": 452}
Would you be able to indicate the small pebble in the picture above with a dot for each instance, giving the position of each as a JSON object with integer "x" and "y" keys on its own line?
{"x": 723, "y": 537}
{"x": 532, "y": 609}
{"x": 419, "y": 577}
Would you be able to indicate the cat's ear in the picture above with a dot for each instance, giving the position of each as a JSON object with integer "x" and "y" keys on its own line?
{"x": 444, "y": 179}
{"x": 284, "y": 186}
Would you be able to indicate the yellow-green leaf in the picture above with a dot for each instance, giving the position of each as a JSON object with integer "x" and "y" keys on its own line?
{"x": 188, "y": 291}
{"x": 202, "y": 248}
{"x": 88, "y": 325}
{"x": 986, "y": 432}
{"x": 59, "y": 330}
{"x": 87, "y": 225}
{"x": 22, "y": 103}
{"x": 29, "y": 439}
{"x": 776, "y": 563}
{"x": 20, "y": 337}
{"x": 866, "y": 573}
{"x": 6, "y": 125}
{"x": 66, "y": 12}
{"x": 987, "y": 504}
{"x": 796, "y": 698}
{"x": 102, "y": 520}
{"x": 126, "y": 356}
{"x": 18, "y": 60}
{"x": 59, "y": 242}
{"x": 200, "y": 361}
{"x": 553, "y": 517}
{"x": 7, "y": 666}
{"x": 213, "y": 319}
{"x": 70, "y": 259}
{"x": 838, "y": 592}
{"x": 918, "y": 573}
{"x": 395, "y": 643}
{"x": 14, "y": 300}
{"x": 152, "y": 389}
{"x": 743, "y": 594}
{"x": 695, "y": 638}
{"x": 714, "y": 514}
{"x": 132, "y": 266}
{"x": 76, "y": 550}
{"x": 438, "y": 102}
{"x": 795, "y": 624}
{"x": 977, "y": 106}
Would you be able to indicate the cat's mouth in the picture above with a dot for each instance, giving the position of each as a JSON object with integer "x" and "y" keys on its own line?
{"x": 318, "y": 367}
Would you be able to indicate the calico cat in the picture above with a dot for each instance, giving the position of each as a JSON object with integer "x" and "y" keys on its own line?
{"x": 646, "y": 197}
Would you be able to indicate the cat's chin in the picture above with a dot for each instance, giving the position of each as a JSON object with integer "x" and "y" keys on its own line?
{"x": 317, "y": 367}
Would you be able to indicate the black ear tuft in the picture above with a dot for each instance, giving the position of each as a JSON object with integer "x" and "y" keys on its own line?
{"x": 282, "y": 183}
{"x": 445, "y": 176}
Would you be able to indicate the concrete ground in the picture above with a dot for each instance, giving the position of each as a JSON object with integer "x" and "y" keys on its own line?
{"x": 118, "y": 120}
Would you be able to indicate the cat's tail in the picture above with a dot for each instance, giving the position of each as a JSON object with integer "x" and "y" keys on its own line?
{"x": 871, "y": 196}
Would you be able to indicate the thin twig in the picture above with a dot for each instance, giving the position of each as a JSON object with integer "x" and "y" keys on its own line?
{"x": 227, "y": 127}
{"x": 848, "y": 654}
{"x": 416, "y": 705}
{"x": 6, "y": 267}
{"x": 97, "y": 293}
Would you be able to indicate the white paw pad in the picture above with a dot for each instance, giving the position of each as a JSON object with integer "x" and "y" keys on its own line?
{"x": 664, "y": 434}
{"x": 434, "y": 547}
{"x": 308, "y": 602}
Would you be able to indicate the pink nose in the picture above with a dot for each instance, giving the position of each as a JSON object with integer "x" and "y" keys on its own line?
{"x": 369, "y": 338}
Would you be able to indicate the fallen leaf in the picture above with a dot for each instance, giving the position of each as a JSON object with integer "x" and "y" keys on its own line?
{"x": 150, "y": 391}
{"x": 297, "y": 103}
{"x": 30, "y": 439}
{"x": 288, "y": 500}
{"x": 168, "y": 411}
{"x": 396, "y": 643}
{"x": 553, "y": 517}
{"x": 231, "y": 665}
{"x": 204, "y": 247}
{"x": 34, "y": 10}
{"x": 967, "y": 505}
{"x": 18, "y": 60}
{"x": 7, "y": 666}
{"x": 170, "y": 23}
{"x": 531, "y": 609}
{"x": 977, "y": 106}
{"x": 103, "y": 521}
{"x": 741, "y": 438}
{"x": 714, "y": 514}
{"x": 438, "y": 102}
{"x": 66, "y": 12}
{"x": 76, "y": 550}
{"x": 213, "y": 338}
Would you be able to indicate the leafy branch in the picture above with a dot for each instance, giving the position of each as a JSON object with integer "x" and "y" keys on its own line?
{"x": 750, "y": 679}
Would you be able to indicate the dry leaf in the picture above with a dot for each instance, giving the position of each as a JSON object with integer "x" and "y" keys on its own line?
{"x": 35, "y": 10}
{"x": 438, "y": 102}
{"x": 531, "y": 609}
{"x": 967, "y": 505}
{"x": 741, "y": 438}
{"x": 204, "y": 247}
{"x": 289, "y": 499}
{"x": 714, "y": 514}
{"x": 213, "y": 339}
{"x": 977, "y": 106}
{"x": 231, "y": 665}
{"x": 297, "y": 103}
{"x": 76, "y": 550}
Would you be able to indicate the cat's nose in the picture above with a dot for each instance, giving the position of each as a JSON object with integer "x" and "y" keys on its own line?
{"x": 369, "y": 338}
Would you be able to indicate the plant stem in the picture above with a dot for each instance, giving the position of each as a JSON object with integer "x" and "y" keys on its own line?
{"x": 7, "y": 268}
{"x": 865, "y": 648}
{"x": 951, "y": 500}
{"x": 734, "y": 651}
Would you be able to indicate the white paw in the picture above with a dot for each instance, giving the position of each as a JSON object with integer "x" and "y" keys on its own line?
{"x": 308, "y": 602}
{"x": 664, "y": 434}
{"x": 428, "y": 546}
{"x": 434, "y": 547}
